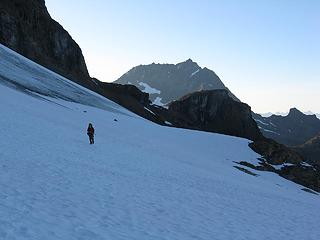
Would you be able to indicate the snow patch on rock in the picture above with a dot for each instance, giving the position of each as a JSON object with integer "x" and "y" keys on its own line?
{"x": 158, "y": 101}
{"x": 267, "y": 130}
{"x": 149, "y": 89}
{"x": 195, "y": 72}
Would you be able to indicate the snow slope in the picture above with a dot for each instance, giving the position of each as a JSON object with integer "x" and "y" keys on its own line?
{"x": 24, "y": 75}
{"x": 139, "y": 181}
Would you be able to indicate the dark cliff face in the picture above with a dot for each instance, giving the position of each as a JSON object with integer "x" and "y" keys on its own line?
{"x": 27, "y": 28}
{"x": 216, "y": 111}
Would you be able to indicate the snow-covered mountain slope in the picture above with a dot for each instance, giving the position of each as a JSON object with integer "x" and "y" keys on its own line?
{"x": 24, "y": 75}
{"x": 139, "y": 181}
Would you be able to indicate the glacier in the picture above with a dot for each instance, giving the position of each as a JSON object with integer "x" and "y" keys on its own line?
{"x": 139, "y": 181}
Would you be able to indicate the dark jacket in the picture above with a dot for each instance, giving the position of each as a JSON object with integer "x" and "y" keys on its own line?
{"x": 90, "y": 131}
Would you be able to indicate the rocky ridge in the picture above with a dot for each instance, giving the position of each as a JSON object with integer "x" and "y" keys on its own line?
{"x": 216, "y": 111}
{"x": 292, "y": 130}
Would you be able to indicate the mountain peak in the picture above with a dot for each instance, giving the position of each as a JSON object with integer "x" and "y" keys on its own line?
{"x": 295, "y": 112}
{"x": 188, "y": 62}
{"x": 172, "y": 81}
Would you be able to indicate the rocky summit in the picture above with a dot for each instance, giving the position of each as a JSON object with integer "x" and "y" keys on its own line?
{"x": 168, "y": 82}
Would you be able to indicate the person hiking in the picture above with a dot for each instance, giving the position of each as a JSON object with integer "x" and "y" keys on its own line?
{"x": 90, "y": 133}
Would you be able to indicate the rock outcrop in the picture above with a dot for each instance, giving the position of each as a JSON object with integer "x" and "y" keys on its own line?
{"x": 27, "y": 28}
{"x": 307, "y": 176}
{"x": 216, "y": 111}
{"x": 275, "y": 153}
{"x": 311, "y": 151}
{"x": 128, "y": 90}
{"x": 286, "y": 162}
{"x": 131, "y": 98}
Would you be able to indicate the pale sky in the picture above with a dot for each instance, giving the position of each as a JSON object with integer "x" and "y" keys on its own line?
{"x": 267, "y": 52}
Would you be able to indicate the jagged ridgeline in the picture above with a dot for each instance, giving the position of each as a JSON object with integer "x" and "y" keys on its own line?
{"x": 292, "y": 130}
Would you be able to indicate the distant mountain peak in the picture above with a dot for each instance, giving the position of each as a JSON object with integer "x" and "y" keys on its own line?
{"x": 294, "y": 112}
{"x": 170, "y": 82}
{"x": 293, "y": 129}
{"x": 189, "y": 64}
{"x": 189, "y": 60}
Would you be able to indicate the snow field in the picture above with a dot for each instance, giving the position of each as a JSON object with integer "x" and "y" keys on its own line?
{"x": 139, "y": 181}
